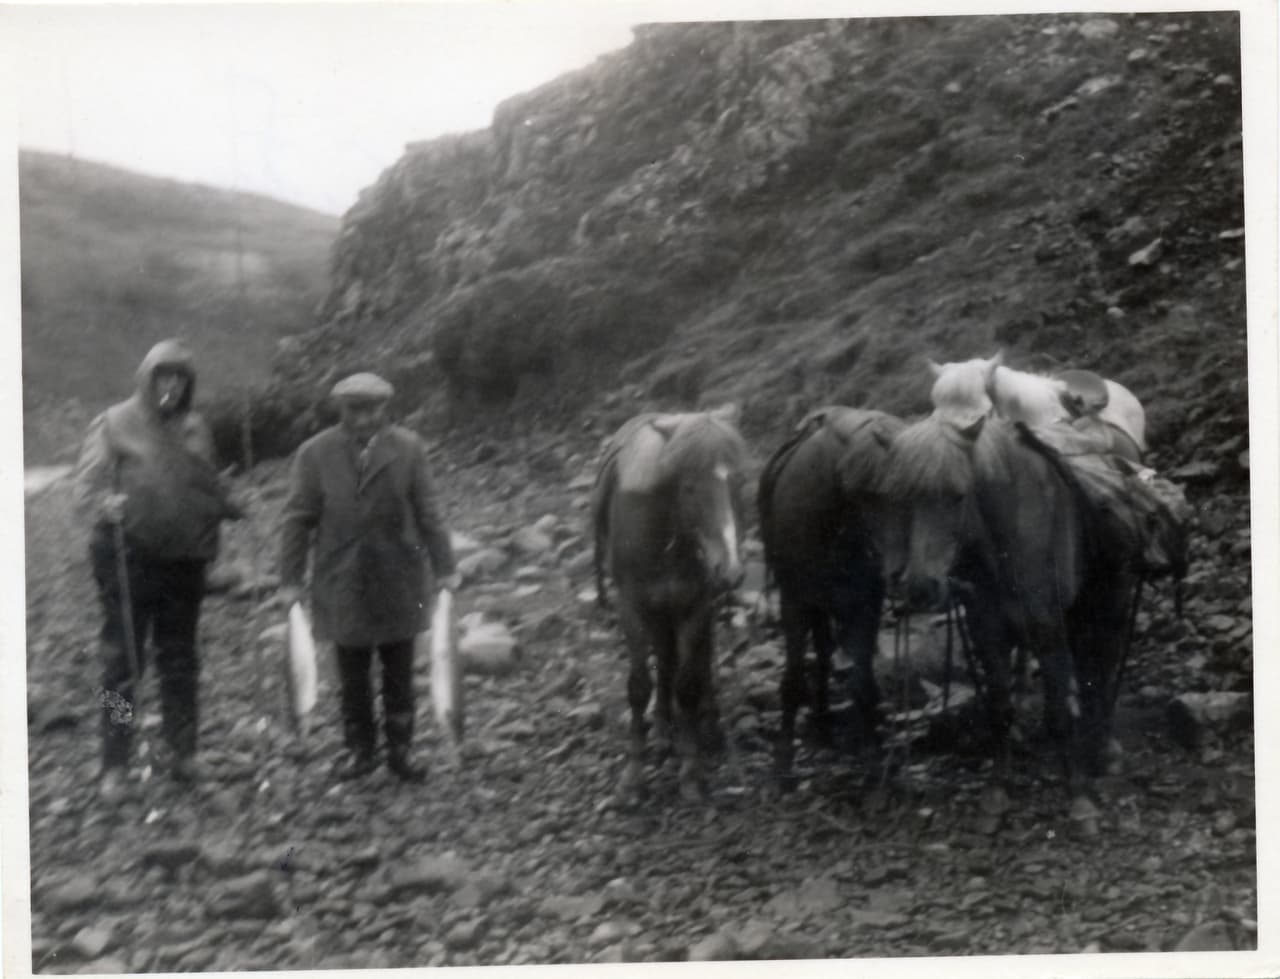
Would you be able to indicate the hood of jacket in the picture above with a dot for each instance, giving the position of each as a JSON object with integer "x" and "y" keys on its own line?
{"x": 171, "y": 354}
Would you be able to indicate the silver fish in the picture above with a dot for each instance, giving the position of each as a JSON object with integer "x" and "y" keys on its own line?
{"x": 446, "y": 670}
{"x": 301, "y": 675}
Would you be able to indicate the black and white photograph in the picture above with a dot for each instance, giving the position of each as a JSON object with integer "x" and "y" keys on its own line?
{"x": 747, "y": 485}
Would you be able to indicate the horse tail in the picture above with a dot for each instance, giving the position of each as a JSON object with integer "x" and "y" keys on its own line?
{"x": 601, "y": 500}
{"x": 773, "y": 467}
{"x": 600, "y": 522}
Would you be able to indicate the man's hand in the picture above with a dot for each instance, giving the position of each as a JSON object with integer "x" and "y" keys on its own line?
{"x": 287, "y": 595}
{"x": 451, "y": 583}
{"x": 113, "y": 508}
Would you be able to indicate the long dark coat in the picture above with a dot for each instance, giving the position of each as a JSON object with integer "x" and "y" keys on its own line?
{"x": 378, "y": 537}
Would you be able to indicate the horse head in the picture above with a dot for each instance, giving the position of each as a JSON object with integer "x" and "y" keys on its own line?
{"x": 928, "y": 486}
{"x": 705, "y": 461}
{"x": 964, "y": 391}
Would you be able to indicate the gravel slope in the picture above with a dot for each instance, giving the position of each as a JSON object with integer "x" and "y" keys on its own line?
{"x": 524, "y": 854}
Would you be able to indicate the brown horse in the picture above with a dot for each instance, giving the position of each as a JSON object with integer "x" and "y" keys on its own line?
{"x": 990, "y": 507}
{"x": 821, "y": 518}
{"x": 667, "y": 517}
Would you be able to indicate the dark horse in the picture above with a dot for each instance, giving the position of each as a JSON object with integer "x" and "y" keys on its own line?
{"x": 820, "y": 519}
{"x": 989, "y": 506}
{"x": 667, "y": 516}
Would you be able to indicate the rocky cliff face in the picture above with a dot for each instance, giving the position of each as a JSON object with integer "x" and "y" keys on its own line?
{"x": 788, "y": 213}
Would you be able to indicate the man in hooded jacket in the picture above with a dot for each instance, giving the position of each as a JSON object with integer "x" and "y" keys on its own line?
{"x": 146, "y": 478}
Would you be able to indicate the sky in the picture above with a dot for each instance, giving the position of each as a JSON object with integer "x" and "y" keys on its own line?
{"x": 308, "y": 103}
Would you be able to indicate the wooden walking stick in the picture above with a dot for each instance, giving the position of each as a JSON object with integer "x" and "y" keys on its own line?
{"x": 126, "y": 618}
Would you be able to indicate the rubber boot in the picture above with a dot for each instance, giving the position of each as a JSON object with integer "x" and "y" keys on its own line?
{"x": 399, "y": 730}
{"x": 181, "y": 720}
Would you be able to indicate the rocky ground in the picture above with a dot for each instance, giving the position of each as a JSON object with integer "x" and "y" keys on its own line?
{"x": 523, "y": 852}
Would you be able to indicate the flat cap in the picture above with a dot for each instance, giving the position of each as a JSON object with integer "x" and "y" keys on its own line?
{"x": 367, "y": 387}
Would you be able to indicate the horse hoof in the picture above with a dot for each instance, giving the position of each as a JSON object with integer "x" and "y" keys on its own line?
{"x": 633, "y": 780}
{"x": 1112, "y": 758}
{"x": 994, "y": 801}
{"x": 1085, "y": 829}
{"x": 693, "y": 792}
{"x": 782, "y": 784}
{"x": 1084, "y": 817}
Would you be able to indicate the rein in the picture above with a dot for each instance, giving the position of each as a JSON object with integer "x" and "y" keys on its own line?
{"x": 1128, "y": 642}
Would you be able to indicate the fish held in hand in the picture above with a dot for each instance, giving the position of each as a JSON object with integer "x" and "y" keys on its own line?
{"x": 446, "y": 669}
{"x": 301, "y": 675}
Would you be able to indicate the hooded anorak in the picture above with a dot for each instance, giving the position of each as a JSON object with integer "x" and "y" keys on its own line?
{"x": 162, "y": 462}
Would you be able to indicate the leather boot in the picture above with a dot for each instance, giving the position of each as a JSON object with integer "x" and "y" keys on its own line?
{"x": 180, "y": 723}
{"x": 399, "y": 762}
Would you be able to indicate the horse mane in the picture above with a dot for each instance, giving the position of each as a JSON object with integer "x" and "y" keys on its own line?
{"x": 868, "y": 438}
{"x": 1031, "y": 398}
{"x": 700, "y": 438}
{"x": 966, "y": 390}
{"x": 961, "y": 387}
{"x": 929, "y": 458}
{"x": 804, "y": 429}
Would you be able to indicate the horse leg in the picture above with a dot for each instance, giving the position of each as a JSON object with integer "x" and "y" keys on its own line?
{"x": 819, "y": 687}
{"x": 859, "y": 626}
{"x": 1099, "y": 634}
{"x": 1063, "y": 719}
{"x": 992, "y": 645}
{"x": 639, "y": 688}
{"x": 694, "y": 700}
{"x": 795, "y": 632}
{"x": 666, "y": 669}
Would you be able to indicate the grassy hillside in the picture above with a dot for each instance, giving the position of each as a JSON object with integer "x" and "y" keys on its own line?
{"x": 113, "y": 261}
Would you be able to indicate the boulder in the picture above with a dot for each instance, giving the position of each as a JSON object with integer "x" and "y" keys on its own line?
{"x": 1194, "y": 716}
{"x": 481, "y": 564}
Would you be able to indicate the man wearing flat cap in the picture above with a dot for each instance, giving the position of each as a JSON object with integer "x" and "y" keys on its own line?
{"x": 361, "y": 502}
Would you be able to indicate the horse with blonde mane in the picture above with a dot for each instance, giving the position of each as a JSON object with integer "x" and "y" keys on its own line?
{"x": 988, "y": 516}
{"x": 967, "y": 390}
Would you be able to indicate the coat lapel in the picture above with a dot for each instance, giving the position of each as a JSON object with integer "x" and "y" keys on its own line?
{"x": 380, "y": 456}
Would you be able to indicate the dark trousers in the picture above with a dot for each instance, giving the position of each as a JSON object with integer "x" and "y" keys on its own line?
{"x": 165, "y": 597}
{"x": 354, "y": 667}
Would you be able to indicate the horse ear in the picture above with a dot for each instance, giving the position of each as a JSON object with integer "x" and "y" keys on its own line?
{"x": 666, "y": 425}
{"x": 989, "y": 375}
{"x": 973, "y": 429}
{"x": 729, "y": 413}
{"x": 934, "y": 367}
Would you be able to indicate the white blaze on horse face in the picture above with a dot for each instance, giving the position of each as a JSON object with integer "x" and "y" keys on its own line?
{"x": 729, "y": 528}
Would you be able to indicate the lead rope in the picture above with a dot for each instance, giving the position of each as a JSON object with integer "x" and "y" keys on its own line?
{"x": 901, "y": 656}
{"x": 946, "y": 668}
{"x": 1130, "y": 628}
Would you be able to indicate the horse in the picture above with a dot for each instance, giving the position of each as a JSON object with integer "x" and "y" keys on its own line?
{"x": 667, "y": 512}
{"x": 820, "y": 522}
{"x": 1109, "y": 412}
{"x": 991, "y": 517}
